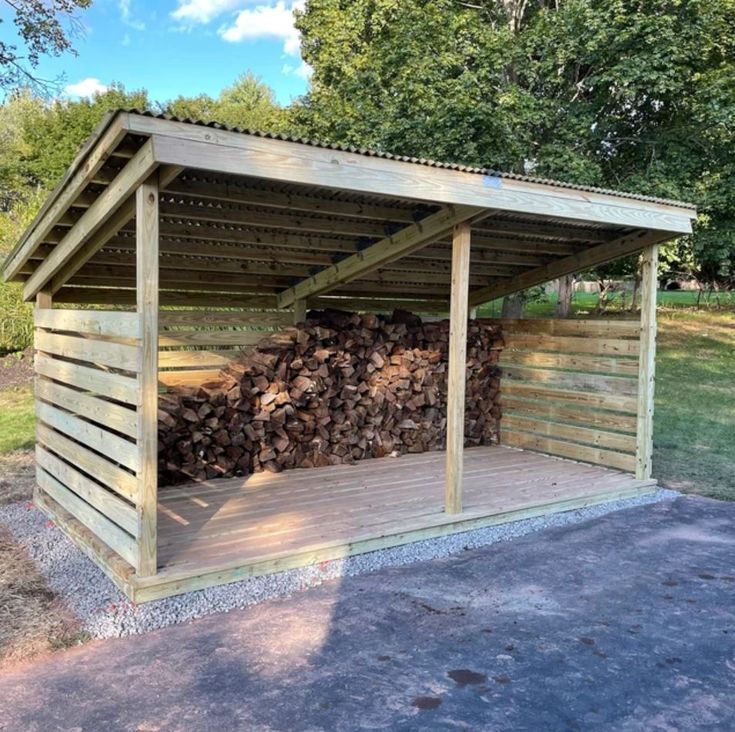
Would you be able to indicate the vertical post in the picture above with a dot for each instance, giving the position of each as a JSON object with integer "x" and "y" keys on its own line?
{"x": 146, "y": 232}
{"x": 458, "y": 311}
{"x": 44, "y": 299}
{"x": 647, "y": 363}
{"x": 299, "y": 311}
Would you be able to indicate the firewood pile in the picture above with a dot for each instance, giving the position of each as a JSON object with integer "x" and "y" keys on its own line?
{"x": 338, "y": 388}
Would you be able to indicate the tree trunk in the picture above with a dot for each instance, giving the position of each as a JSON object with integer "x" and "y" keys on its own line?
{"x": 513, "y": 305}
{"x": 566, "y": 290}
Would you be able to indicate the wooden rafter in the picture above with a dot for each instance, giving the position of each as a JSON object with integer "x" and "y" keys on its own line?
{"x": 407, "y": 240}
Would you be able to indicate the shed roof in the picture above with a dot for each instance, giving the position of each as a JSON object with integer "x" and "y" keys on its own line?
{"x": 250, "y": 215}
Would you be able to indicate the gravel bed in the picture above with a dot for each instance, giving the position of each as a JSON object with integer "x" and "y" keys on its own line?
{"x": 106, "y": 612}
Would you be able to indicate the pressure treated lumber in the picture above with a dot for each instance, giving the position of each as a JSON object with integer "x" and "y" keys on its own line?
{"x": 458, "y": 313}
{"x": 647, "y": 373}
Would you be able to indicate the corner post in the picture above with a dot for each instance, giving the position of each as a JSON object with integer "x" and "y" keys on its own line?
{"x": 146, "y": 233}
{"x": 647, "y": 363}
{"x": 458, "y": 313}
{"x": 299, "y": 311}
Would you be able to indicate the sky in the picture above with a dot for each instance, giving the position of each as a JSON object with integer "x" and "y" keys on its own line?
{"x": 181, "y": 47}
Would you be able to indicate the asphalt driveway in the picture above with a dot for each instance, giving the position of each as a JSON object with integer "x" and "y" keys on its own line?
{"x": 626, "y": 622}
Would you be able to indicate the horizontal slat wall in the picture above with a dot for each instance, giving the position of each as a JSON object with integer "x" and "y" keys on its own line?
{"x": 86, "y": 394}
{"x": 196, "y": 344}
{"x": 569, "y": 388}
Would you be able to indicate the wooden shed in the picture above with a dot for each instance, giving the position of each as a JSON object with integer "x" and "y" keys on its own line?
{"x": 170, "y": 244}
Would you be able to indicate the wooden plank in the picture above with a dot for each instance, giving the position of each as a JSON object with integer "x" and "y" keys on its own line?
{"x": 592, "y": 257}
{"x": 102, "y": 470}
{"x": 44, "y": 301}
{"x": 177, "y": 298}
{"x": 612, "y": 402}
{"x": 647, "y": 373}
{"x": 570, "y": 450}
{"x": 299, "y": 311}
{"x": 297, "y": 163}
{"x": 571, "y": 362}
{"x": 104, "y": 383}
{"x": 377, "y": 255}
{"x": 117, "y": 539}
{"x": 568, "y": 327}
{"x": 621, "y": 385}
{"x": 99, "y": 497}
{"x": 200, "y": 359}
{"x": 113, "y": 324}
{"x": 108, "y": 415}
{"x": 146, "y": 220}
{"x": 96, "y": 215}
{"x": 212, "y": 338}
{"x": 93, "y": 154}
{"x": 111, "y": 446}
{"x": 598, "y": 438}
{"x": 462, "y": 236}
{"x": 107, "y": 353}
{"x": 188, "y": 378}
{"x": 573, "y": 344}
{"x": 203, "y": 318}
{"x": 561, "y": 412}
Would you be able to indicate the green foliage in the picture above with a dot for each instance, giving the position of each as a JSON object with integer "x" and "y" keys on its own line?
{"x": 248, "y": 103}
{"x": 637, "y": 96}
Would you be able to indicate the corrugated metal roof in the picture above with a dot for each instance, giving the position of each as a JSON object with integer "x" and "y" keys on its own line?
{"x": 408, "y": 159}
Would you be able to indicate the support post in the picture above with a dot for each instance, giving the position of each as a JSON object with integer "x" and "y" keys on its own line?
{"x": 44, "y": 299}
{"x": 647, "y": 363}
{"x": 299, "y": 311}
{"x": 146, "y": 229}
{"x": 458, "y": 312}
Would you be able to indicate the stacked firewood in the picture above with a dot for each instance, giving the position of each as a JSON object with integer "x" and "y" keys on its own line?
{"x": 338, "y": 388}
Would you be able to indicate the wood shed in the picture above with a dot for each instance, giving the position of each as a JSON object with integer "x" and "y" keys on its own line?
{"x": 170, "y": 244}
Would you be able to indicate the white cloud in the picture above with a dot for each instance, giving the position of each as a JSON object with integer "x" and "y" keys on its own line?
{"x": 126, "y": 15}
{"x": 267, "y": 21}
{"x": 204, "y": 11}
{"x": 88, "y": 87}
{"x": 303, "y": 70}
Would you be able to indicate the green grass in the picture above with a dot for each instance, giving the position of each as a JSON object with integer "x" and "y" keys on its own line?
{"x": 17, "y": 421}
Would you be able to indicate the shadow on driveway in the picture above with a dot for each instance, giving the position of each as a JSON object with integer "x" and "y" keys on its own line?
{"x": 625, "y": 622}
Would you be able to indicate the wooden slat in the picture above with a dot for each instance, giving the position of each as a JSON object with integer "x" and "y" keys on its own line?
{"x": 598, "y": 438}
{"x": 571, "y": 362}
{"x": 104, "y": 383}
{"x": 602, "y": 401}
{"x": 107, "y": 353}
{"x": 200, "y": 359}
{"x": 114, "y": 448}
{"x": 569, "y": 327}
{"x": 202, "y": 318}
{"x": 96, "y": 322}
{"x": 573, "y": 344}
{"x": 196, "y": 377}
{"x": 620, "y": 385}
{"x": 561, "y": 412}
{"x": 647, "y": 374}
{"x": 457, "y": 367}
{"x": 211, "y": 338}
{"x": 569, "y": 450}
{"x": 99, "y": 497}
{"x": 109, "y": 415}
{"x": 100, "y": 525}
{"x": 177, "y": 298}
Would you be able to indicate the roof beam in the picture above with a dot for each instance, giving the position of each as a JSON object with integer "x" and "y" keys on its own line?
{"x": 394, "y": 247}
{"x": 625, "y": 245}
{"x": 124, "y": 185}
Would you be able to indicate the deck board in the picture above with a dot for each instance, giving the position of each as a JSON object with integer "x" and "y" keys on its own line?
{"x": 206, "y": 528}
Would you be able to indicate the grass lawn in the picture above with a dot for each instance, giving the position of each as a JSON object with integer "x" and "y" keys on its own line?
{"x": 17, "y": 422}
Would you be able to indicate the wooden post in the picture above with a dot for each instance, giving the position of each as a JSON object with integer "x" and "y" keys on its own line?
{"x": 299, "y": 311}
{"x": 146, "y": 228}
{"x": 647, "y": 364}
{"x": 44, "y": 299}
{"x": 457, "y": 366}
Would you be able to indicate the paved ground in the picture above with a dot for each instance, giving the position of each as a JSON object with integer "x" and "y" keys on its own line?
{"x": 626, "y": 622}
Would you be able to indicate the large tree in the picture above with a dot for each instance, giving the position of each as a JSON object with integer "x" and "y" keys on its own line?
{"x": 638, "y": 95}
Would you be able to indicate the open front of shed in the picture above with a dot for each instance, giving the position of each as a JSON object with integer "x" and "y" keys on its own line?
{"x": 171, "y": 246}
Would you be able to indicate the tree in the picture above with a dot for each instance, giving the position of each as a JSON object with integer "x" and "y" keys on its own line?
{"x": 249, "y": 103}
{"x": 44, "y": 27}
{"x": 636, "y": 95}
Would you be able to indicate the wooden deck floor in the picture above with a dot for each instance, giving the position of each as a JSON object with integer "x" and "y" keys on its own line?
{"x": 226, "y": 530}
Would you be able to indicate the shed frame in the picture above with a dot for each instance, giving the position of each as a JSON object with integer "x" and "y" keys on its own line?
{"x": 197, "y": 235}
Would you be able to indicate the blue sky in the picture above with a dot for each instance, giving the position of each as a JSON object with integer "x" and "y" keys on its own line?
{"x": 188, "y": 47}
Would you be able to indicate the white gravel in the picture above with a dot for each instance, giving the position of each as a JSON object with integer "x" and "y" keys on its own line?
{"x": 106, "y": 612}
